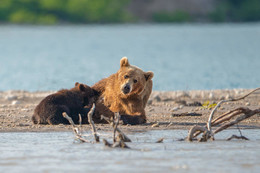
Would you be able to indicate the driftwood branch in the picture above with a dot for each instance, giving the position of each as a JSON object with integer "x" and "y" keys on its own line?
{"x": 115, "y": 124}
{"x": 246, "y": 114}
{"x": 80, "y": 123}
{"x": 119, "y": 141}
{"x": 91, "y": 122}
{"x": 75, "y": 129}
{"x": 118, "y": 144}
{"x": 223, "y": 101}
{"x": 237, "y": 137}
{"x": 199, "y": 129}
{"x": 124, "y": 137}
{"x": 223, "y": 120}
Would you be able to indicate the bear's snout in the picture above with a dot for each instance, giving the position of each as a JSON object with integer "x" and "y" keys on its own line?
{"x": 126, "y": 89}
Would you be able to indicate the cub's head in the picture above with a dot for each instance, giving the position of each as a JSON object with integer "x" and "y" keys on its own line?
{"x": 89, "y": 95}
{"x": 132, "y": 80}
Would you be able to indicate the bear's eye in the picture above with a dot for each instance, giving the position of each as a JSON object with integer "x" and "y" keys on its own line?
{"x": 135, "y": 80}
{"x": 126, "y": 76}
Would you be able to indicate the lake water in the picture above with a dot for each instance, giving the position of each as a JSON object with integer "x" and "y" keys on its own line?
{"x": 58, "y": 152}
{"x": 183, "y": 57}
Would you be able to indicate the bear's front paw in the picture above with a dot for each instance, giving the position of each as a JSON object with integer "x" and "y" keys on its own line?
{"x": 132, "y": 120}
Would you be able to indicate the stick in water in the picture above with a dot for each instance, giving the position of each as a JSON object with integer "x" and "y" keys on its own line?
{"x": 75, "y": 129}
{"x": 91, "y": 122}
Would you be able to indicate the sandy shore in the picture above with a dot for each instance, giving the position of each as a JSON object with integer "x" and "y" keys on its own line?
{"x": 165, "y": 110}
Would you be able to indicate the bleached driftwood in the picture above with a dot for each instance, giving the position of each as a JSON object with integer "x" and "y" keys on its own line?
{"x": 223, "y": 120}
{"x": 91, "y": 122}
{"x": 223, "y": 101}
{"x": 124, "y": 137}
{"x": 115, "y": 124}
{"x": 75, "y": 129}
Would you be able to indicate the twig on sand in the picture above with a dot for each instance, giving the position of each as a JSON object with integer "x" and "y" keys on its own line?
{"x": 223, "y": 119}
{"x": 75, "y": 129}
{"x": 91, "y": 122}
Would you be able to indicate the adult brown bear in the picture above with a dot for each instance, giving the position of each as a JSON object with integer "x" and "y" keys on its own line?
{"x": 126, "y": 92}
{"x": 75, "y": 101}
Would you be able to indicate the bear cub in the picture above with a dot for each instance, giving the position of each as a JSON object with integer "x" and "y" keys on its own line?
{"x": 77, "y": 100}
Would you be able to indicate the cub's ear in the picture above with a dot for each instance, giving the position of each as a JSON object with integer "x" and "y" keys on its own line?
{"x": 124, "y": 62}
{"x": 76, "y": 84}
{"x": 96, "y": 93}
{"x": 148, "y": 75}
{"x": 81, "y": 87}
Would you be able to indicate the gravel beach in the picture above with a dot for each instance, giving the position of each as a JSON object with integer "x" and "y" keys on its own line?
{"x": 165, "y": 110}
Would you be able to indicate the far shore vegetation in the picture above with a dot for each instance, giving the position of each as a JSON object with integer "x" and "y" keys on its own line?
{"x": 51, "y": 12}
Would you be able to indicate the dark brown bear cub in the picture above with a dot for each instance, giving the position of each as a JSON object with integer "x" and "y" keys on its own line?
{"x": 75, "y": 101}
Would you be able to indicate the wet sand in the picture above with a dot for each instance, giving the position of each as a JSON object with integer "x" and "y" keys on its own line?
{"x": 165, "y": 110}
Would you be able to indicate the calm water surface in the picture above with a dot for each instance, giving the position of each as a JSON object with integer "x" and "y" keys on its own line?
{"x": 58, "y": 152}
{"x": 183, "y": 57}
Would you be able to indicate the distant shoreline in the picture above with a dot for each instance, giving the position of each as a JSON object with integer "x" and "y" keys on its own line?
{"x": 163, "y": 11}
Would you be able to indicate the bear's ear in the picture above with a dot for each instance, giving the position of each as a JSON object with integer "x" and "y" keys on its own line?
{"x": 124, "y": 62}
{"x": 148, "y": 75}
{"x": 76, "y": 84}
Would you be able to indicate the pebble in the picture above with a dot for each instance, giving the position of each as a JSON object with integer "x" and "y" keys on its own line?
{"x": 169, "y": 124}
{"x": 222, "y": 98}
{"x": 227, "y": 97}
{"x": 4, "y": 106}
{"x": 149, "y": 102}
{"x": 24, "y": 109}
{"x": 151, "y": 109}
{"x": 157, "y": 98}
{"x": 247, "y": 104}
{"x": 175, "y": 108}
{"x": 155, "y": 125}
{"x": 16, "y": 102}
{"x": 181, "y": 106}
{"x": 211, "y": 96}
{"x": 11, "y": 97}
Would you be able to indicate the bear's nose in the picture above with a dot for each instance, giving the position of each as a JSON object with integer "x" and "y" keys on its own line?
{"x": 126, "y": 89}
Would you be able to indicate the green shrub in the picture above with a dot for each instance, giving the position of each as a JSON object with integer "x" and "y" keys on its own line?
{"x": 54, "y": 11}
{"x": 177, "y": 16}
{"x": 237, "y": 11}
{"x": 22, "y": 16}
{"x": 46, "y": 19}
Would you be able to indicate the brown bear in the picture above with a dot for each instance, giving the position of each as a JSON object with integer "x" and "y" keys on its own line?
{"x": 75, "y": 101}
{"x": 126, "y": 92}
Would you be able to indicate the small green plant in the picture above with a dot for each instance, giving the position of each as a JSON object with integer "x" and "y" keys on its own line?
{"x": 207, "y": 105}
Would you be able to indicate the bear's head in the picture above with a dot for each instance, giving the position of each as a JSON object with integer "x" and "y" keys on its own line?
{"x": 132, "y": 80}
{"x": 89, "y": 95}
